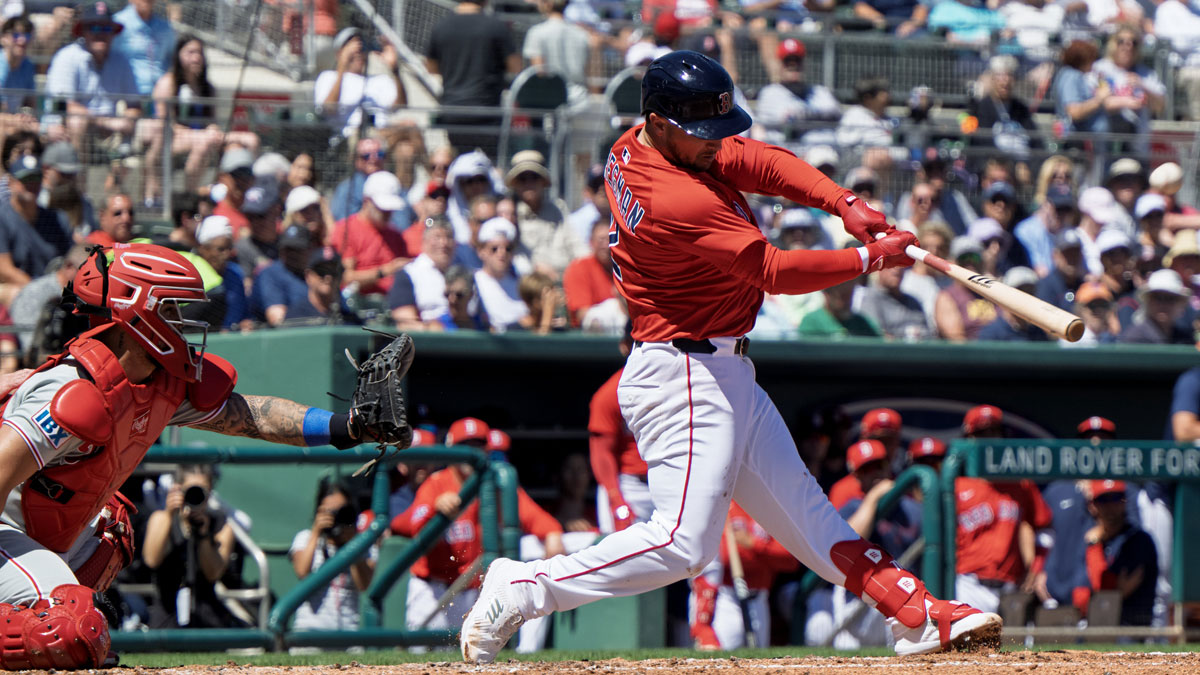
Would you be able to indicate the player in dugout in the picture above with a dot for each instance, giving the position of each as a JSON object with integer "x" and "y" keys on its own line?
{"x": 75, "y": 429}
{"x": 694, "y": 266}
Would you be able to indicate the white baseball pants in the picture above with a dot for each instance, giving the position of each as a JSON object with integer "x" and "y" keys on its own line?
{"x": 968, "y": 589}
{"x": 30, "y": 572}
{"x": 709, "y": 434}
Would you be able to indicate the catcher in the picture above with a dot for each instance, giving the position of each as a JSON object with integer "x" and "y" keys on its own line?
{"x": 74, "y": 429}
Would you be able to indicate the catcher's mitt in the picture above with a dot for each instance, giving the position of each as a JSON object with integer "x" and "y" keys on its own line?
{"x": 377, "y": 410}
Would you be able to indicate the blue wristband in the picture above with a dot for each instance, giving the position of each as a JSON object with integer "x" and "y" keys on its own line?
{"x": 316, "y": 427}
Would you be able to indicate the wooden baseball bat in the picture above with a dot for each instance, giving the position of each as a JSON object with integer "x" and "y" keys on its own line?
{"x": 1055, "y": 321}
{"x": 740, "y": 588}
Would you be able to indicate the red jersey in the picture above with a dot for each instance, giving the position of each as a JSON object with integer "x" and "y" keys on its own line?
{"x": 237, "y": 220}
{"x": 761, "y": 562}
{"x": 848, "y": 487}
{"x": 369, "y": 246}
{"x": 612, "y": 448}
{"x": 100, "y": 237}
{"x": 687, "y": 252}
{"x": 1026, "y": 494}
{"x": 987, "y": 532}
{"x": 586, "y": 282}
{"x": 458, "y": 548}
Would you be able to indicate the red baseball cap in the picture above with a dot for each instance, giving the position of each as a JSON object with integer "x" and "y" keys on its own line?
{"x": 666, "y": 26}
{"x": 1096, "y": 423}
{"x": 498, "y": 440}
{"x": 880, "y": 420}
{"x": 982, "y": 417}
{"x": 926, "y": 447}
{"x": 423, "y": 437}
{"x": 468, "y": 429}
{"x": 863, "y": 452}
{"x": 1107, "y": 487}
{"x": 790, "y": 47}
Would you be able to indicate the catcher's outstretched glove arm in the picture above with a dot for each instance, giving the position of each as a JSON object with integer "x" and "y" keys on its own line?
{"x": 377, "y": 408}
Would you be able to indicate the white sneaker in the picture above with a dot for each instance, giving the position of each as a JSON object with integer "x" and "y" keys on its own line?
{"x": 967, "y": 628}
{"x": 493, "y": 619}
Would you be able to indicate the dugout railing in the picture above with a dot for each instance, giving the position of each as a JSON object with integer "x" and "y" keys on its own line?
{"x": 493, "y": 483}
{"x": 1051, "y": 459}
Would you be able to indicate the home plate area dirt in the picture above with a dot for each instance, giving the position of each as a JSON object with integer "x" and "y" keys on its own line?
{"x": 1043, "y": 662}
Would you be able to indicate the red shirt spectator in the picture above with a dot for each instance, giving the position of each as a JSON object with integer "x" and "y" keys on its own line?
{"x": 371, "y": 250}
{"x": 588, "y": 281}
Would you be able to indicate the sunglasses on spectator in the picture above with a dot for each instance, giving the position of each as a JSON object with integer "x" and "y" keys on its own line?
{"x": 367, "y": 156}
{"x": 481, "y": 178}
{"x": 454, "y": 295}
{"x": 101, "y": 28}
{"x": 921, "y": 199}
{"x": 121, "y": 212}
{"x": 508, "y": 248}
{"x": 439, "y": 167}
{"x": 1098, "y": 306}
{"x": 21, "y": 36}
{"x": 1126, "y": 41}
{"x": 863, "y": 187}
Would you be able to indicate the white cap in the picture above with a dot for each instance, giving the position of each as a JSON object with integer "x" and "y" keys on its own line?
{"x": 384, "y": 190}
{"x": 1166, "y": 174}
{"x": 271, "y": 164}
{"x": 1020, "y": 276}
{"x": 217, "y": 192}
{"x": 986, "y": 229}
{"x": 820, "y": 155}
{"x": 497, "y": 228}
{"x": 1110, "y": 239}
{"x": 641, "y": 53}
{"x": 1099, "y": 204}
{"x": 1164, "y": 281}
{"x": 213, "y": 227}
{"x": 300, "y": 198}
{"x": 1149, "y": 203}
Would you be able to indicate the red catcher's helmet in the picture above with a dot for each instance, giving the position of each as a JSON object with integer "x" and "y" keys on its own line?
{"x": 141, "y": 290}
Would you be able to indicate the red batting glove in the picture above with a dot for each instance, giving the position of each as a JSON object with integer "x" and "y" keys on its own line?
{"x": 622, "y": 514}
{"x": 889, "y": 251}
{"x": 860, "y": 220}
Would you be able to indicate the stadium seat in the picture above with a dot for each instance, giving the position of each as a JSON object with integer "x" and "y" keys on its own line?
{"x": 531, "y": 102}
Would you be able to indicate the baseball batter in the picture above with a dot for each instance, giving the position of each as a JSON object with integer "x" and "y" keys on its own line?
{"x": 693, "y": 265}
{"x": 74, "y": 430}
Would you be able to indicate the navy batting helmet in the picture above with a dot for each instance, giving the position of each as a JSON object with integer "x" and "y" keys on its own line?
{"x": 694, "y": 92}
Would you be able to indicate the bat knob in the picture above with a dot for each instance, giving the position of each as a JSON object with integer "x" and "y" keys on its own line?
{"x": 1074, "y": 331}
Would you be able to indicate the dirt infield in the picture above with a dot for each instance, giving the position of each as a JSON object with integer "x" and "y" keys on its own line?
{"x": 1044, "y": 662}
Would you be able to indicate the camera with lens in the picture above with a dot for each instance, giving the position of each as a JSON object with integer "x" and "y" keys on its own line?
{"x": 195, "y": 496}
{"x": 344, "y": 520}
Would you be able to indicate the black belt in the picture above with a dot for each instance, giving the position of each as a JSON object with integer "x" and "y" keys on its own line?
{"x": 740, "y": 348}
{"x": 994, "y": 584}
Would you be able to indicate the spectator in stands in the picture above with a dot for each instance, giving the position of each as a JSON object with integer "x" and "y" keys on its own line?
{"x": 303, "y": 172}
{"x": 960, "y": 314}
{"x": 306, "y": 207}
{"x": 1167, "y": 181}
{"x": 281, "y": 284}
{"x": 1037, "y": 233}
{"x": 998, "y": 246}
{"x": 1184, "y": 258}
{"x": 557, "y": 46}
{"x": 1055, "y": 170}
{"x": 866, "y": 123}
{"x": 1164, "y": 300}
{"x": 1097, "y": 211}
{"x": 659, "y": 41}
{"x": 236, "y": 176}
{"x": 369, "y": 157}
{"x": 1120, "y": 273}
{"x": 1120, "y": 555}
{"x": 29, "y": 302}
{"x": 224, "y": 281}
{"x": 87, "y": 78}
{"x": 195, "y": 132}
{"x": 920, "y": 281}
{"x": 1034, "y": 25}
{"x": 146, "y": 41}
{"x": 899, "y": 316}
{"x": 417, "y": 298}
{"x": 260, "y": 246}
{"x": 323, "y": 303}
{"x": 16, "y": 74}
{"x": 1005, "y": 119}
{"x": 1177, "y": 24}
{"x": 472, "y": 51}
{"x": 465, "y": 311}
{"x": 30, "y": 236}
{"x": 1148, "y": 212}
{"x": 541, "y": 219}
{"x": 116, "y": 221}
{"x": 469, "y": 176}
{"x": 798, "y": 229}
{"x": 595, "y": 207}
{"x": 406, "y": 149}
{"x": 495, "y": 281}
{"x": 1000, "y": 204}
{"x": 920, "y": 197}
{"x": 435, "y": 170}
{"x": 335, "y": 522}
{"x": 1068, "y": 271}
{"x": 950, "y": 204}
{"x": 1008, "y": 326}
{"x": 906, "y": 18}
{"x": 188, "y": 546}
{"x": 61, "y": 189}
{"x": 793, "y": 100}
{"x": 547, "y": 306}
{"x": 587, "y": 281}
{"x": 837, "y": 319}
{"x": 347, "y": 93}
{"x": 371, "y": 250}
{"x": 1094, "y": 304}
{"x": 965, "y": 22}
{"x": 1079, "y": 99}
{"x": 1137, "y": 93}
{"x": 1126, "y": 182}
{"x": 185, "y": 214}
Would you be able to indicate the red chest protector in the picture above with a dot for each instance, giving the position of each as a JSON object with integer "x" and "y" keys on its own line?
{"x": 119, "y": 420}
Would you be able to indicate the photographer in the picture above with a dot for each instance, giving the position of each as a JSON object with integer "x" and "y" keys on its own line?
{"x": 335, "y": 606}
{"x": 188, "y": 546}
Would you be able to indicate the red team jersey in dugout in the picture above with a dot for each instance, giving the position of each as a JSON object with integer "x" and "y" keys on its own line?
{"x": 694, "y": 263}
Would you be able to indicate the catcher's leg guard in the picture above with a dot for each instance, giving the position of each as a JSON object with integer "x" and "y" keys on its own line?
{"x": 66, "y": 631}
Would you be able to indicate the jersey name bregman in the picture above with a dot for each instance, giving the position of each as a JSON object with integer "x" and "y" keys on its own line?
{"x": 630, "y": 209}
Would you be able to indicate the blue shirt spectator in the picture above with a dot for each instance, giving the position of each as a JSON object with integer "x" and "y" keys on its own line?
{"x": 1065, "y": 570}
{"x": 147, "y": 42}
{"x": 30, "y": 235}
{"x": 76, "y": 76}
{"x": 964, "y": 22}
{"x": 1078, "y": 93}
{"x": 16, "y": 70}
{"x": 1035, "y": 232}
{"x": 277, "y": 285}
{"x": 1185, "y": 399}
{"x": 236, "y": 305}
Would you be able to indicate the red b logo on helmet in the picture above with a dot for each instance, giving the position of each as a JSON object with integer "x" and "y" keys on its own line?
{"x": 724, "y": 103}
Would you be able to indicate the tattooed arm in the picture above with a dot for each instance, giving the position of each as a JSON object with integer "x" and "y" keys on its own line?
{"x": 272, "y": 419}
